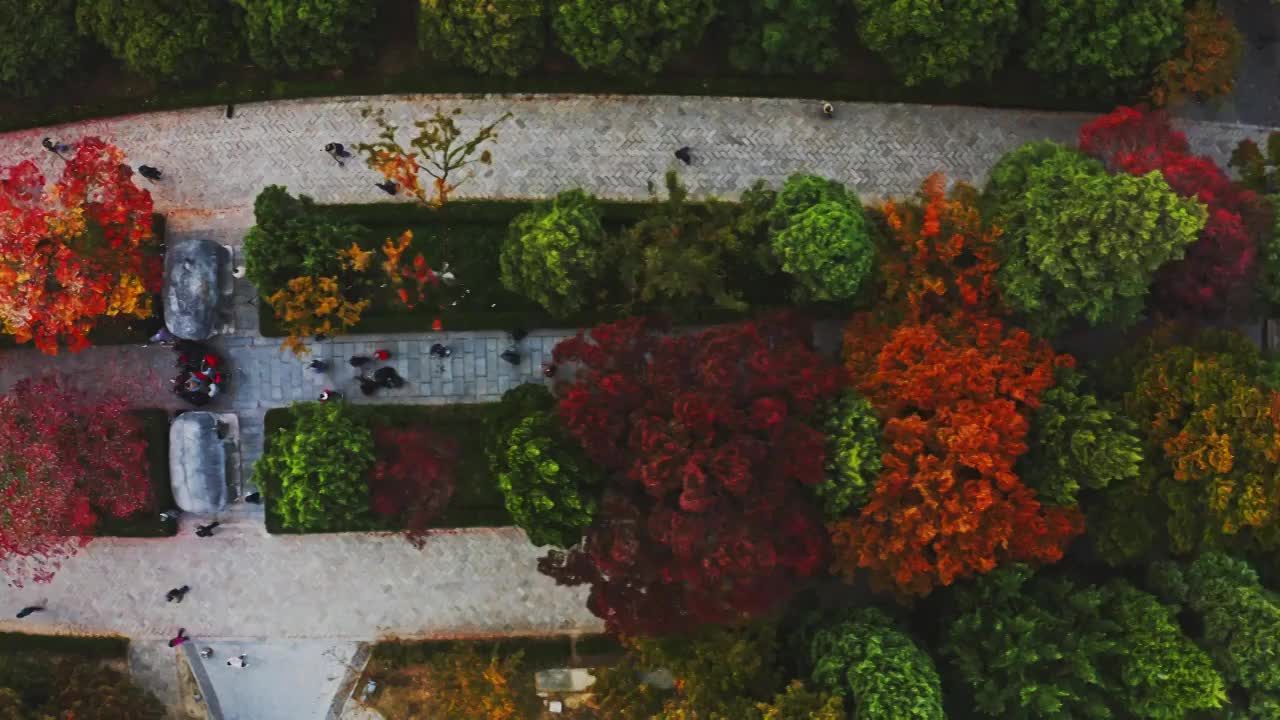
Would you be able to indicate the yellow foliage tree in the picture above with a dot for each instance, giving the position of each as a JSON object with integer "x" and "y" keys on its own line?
{"x": 308, "y": 306}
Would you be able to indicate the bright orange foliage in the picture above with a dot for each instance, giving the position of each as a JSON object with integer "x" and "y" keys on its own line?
{"x": 945, "y": 258}
{"x": 956, "y": 393}
{"x": 398, "y": 272}
{"x": 74, "y": 251}
{"x": 309, "y": 306}
{"x": 1207, "y": 65}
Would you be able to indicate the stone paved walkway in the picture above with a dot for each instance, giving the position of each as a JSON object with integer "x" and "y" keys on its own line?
{"x": 247, "y": 585}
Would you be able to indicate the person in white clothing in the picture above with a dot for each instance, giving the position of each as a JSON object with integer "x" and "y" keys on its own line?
{"x": 238, "y": 662}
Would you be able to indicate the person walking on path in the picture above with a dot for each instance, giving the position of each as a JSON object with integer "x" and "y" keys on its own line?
{"x": 828, "y": 111}
{"x": 326, "y": 395}
{"x": 177, "y": 594}
{"x": 238, "y": 662}
{"x": 150, "y": 173}
{"x": 318, "y": 366}
{"x": 56, "y": 148}
{"x": 389, "y": 187}
{"x": 180, "y": 638}
{"x": 30, "y": 609}
{"x": 254, "y": 497}
{"x": 382, "y": 355}
{"x": 206, "y": 530}
{"x": 337, "y": 152}
{"x": 440, "y": 351}
{"x": 685, "y": 155}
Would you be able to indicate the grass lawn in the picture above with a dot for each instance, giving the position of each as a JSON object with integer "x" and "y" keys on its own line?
{"x": 477, "y": 501}
{"x": 396, "y": 664}
{"x": 100, "y": 647}
{"x": 155, "y": 424}
{"x": 469, "y": 234}
{"x": 398, "y": 66}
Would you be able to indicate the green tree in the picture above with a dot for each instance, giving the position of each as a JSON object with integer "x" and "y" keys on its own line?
{"x": 1047, "y": 648}
{"x": 552, "y": 254}
{"x": 1080, "y": 243}
{"x": 1077, "y": 442}
{"x": 822, "y": 237}
{"x": 798, "y": 703}
{"x": 876, "y": 667}
{"x": 1103, "y": 46}
{"x": 636, "y": 37}
{"x": 292, "y": 238}
{"x": 681, "y": 258}
{"x": 492, "y": 37}
{"x": 319, "y": 463}
{"x": 171, "y": 38}
{"x": 1239, "y": 623}
{"x": 784, "y": 35}
{"x": 307, "y": 34}
{"x": 1011, "y": 175}
{"x": 548, "y": 485}
{"x": 853, "y": 454}
{"x": 39, "y": 45}
{"x": 949, "y": 40}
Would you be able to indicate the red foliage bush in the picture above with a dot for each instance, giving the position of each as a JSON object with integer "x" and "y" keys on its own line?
{"x": 65, "y": 461}
{"x": 413, "y": 478}
{"x": 710, "y": 449}
{"x": 956, "y": 394}
{"x": 1217, "y": 273}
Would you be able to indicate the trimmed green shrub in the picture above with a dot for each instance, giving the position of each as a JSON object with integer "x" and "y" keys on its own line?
{"x": 821, "y": 236}
{"x": 1103, "y": 46}
{"x": 306, "y": 34}
{"x": 292, "y": 239}
{"x": 949, "y": 40}
{"x": 549, "y": 486}
{"x": 320, "y": 461}
{"x": 492, "y": 37}
{"x": 784, "y": 35}
{"x": 552, "y": 254}
{"x": 39, "y": 45}
{"x": 1050, "y": 649}
{"x": 1080, "y": 243}
{"x": 636, "y": 37}
{"x": 853, "y": 454}
{"x": 877, "y": 668}
{"x": 172, "y": 38}
{"x": 1239, "y": 621}
{"x": 1077, "y": 442}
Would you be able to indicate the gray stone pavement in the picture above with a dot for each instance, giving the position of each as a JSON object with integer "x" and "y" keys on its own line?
{"x": 618, "y": 147}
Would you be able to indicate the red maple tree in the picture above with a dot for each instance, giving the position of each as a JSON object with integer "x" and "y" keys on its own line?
{"x": 710, "y": 449}
{"x": 66, "y": 460}
{"x": 956, "y": 393}
{"x": 74, "y": 251}
{"x": 413, "y": 478}
{"x": 1216, "y": 275}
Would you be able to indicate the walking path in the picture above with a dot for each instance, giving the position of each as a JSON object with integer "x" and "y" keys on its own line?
{"x": 248, "y": 586}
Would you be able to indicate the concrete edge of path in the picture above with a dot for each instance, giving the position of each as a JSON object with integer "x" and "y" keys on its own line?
{"x": 347, "y": 688}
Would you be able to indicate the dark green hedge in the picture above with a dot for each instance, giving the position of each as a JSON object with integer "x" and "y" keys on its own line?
{"x": 105, "y": 647}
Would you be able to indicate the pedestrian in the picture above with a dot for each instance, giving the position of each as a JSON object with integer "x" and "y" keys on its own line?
{"x": 254, "y": 497}
{"x": 30, "y": 609}
{"x": 318, "y": 366}
{"x": 163, "y": 337}
{"x": 518, "y": 334}
{"x": 685, "y": 155}
{"x": 357, "y": 361}
{"x": 57, "y": 148}
{"x": 177, "y": 593}
{"x": 180, "y": 638}
{"x": 231, "y": 111}
{"x": 440, "y": 351}
{"x": 388, "y": 378}
{"x": 206, "y": 653}
{"x": 206, "y": 530}
{"x": 48, "y": 145}
{"x": 150, "y": 173}
{"x": 326, "y": 395}
{"x": 170, "y": 515}
{"x": 549, "y": 369}
{"x": 238, "y": 662}
{"x": 389, "y": 187}
{"x": 337, "y": 152}
{"x": 382, "y": 355}
{"x": 511, "y": 355}
{"x": 367, "y": 386}
{"x": 828, "y": 111}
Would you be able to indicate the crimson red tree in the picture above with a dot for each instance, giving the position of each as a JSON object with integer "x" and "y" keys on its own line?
{"x": 65, "y": 461}
{"x": 711, "y": 450}
{"x": 1216, "y": 275}
{"x": 413, "y": 477}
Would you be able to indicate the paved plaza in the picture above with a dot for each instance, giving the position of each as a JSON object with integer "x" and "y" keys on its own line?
{"x": 332, "y": 591}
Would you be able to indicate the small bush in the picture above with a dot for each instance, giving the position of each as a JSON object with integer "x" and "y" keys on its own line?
{"x": 822, "y": 237}
{"x": 492, "y": 37}
{"x": 552, "y": 253}
{"x": 171, "y": 38}
{"x": 306, "y": 34}
{"x": 784, "y": 35}
{"x": 549, "y": 486}
{"x": 1206, "y": 67}
{"x": 853, "y": 454}
{"x": 949, "y": 40}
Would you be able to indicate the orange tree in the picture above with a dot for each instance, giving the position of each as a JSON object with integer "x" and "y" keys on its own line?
{"x": 74, "y": 251}
{"x": 955, "y": 388}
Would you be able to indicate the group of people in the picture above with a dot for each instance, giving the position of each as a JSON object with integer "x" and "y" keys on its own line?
{"x": 384, "y": 377}
{"x": 200, "y": 373}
